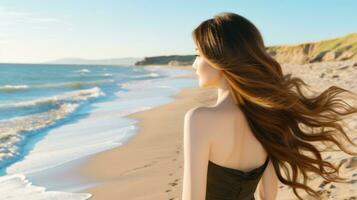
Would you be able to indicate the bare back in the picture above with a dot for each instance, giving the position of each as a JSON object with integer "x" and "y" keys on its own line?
{"x": 233, "y": 144}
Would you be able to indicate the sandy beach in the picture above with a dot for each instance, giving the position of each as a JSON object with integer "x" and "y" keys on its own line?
{"x": 150, "y": 165}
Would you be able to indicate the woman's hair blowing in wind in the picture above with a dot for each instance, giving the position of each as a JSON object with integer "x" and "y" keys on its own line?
{"x": 274, "y": 104}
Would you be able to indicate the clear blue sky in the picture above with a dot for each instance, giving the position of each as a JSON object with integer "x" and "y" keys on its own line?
{"x": 43, "y": 30}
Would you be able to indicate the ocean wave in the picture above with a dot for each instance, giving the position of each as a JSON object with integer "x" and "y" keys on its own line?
{"x": 107, "y": 74}
{"x": 11, "y": 88}
{"x": 73, "y": 96}
{"x": 14, "y": 130}
{"x": 18, "y": 187}
{"x": 152, "y": 74}
{"x": 73, "y": 84}
{"x": 83, "y": 70}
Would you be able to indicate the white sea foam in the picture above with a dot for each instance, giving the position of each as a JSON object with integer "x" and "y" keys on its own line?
{"x": 167, "y": 71}
{"x": 83, "y": 70}
{"x": 13, "y": 130}
{"x": 107, "y": 74}
{"x": 152, "y": 74}
{"x": 145, "y": 88}
{"x": 73, "y": 141}
{"x": 9, "y": 88}
{"x": 13, "y": 87}
{"x": 17, "y": 187}
{"x": 76, "y": 95}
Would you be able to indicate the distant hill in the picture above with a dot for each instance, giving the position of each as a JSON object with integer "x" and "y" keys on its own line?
{"x": 114, "y": 61}
{"x": 341, "y": 48}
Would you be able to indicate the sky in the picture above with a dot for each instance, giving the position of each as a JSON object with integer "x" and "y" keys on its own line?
{"x": 34, "y": 31}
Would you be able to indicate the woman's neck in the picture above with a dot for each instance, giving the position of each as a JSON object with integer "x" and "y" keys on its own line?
{"x": 224, "y": 96}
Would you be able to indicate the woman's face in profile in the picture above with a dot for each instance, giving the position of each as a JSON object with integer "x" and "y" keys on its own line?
{"x": 207, "y": 75}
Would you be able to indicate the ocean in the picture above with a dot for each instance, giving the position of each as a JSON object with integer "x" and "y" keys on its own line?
{"x": 52, "y": 115}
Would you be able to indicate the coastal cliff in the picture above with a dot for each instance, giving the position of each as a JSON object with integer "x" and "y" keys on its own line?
{"x": 337, "y": 49}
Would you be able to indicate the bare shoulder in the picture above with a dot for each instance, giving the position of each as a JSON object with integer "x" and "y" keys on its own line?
{"x": 198, "y": 115}
{"x": 210, "y": 114}
{"x": 197, "y": 120}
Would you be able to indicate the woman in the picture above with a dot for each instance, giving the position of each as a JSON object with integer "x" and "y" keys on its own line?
{"x": 254, "y": 129}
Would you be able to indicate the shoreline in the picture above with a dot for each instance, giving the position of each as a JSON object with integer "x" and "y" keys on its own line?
{"x": 152, "y": 160}
{"x": 66, "y": 174}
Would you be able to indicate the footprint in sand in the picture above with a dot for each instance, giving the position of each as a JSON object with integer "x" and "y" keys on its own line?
{"x": 353, "y": 181}
{"x": 352, "y": 162}
{"x": 323, "y": 183}
{"x": 325, "y": 194}
{"x": 351, "y": 198}
{"x": 147, "y": 165}
{"x": 173, "y": 184}
{"x": 178, "y": 149}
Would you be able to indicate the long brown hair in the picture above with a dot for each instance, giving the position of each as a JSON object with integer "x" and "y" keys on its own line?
{"x": 274, "y": 104}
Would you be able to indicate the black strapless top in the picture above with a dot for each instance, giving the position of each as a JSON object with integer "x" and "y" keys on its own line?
{"x": 225, "y": 183}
